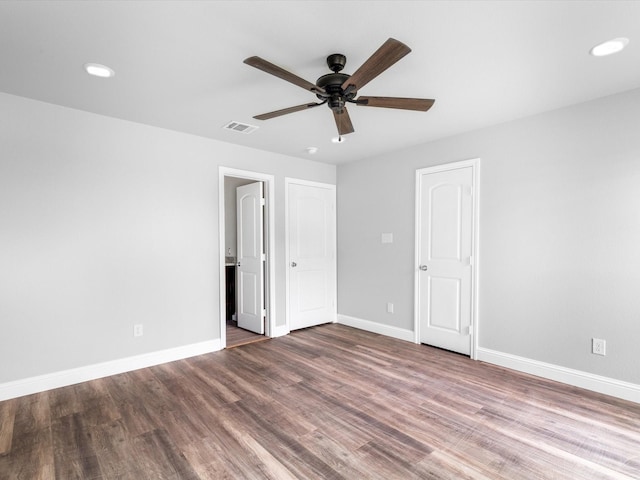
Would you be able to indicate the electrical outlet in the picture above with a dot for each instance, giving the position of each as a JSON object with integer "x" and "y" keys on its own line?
{"x": 137, "y": 330}
{"x": 598, "y": 346}
{"x": 389, "y": 307}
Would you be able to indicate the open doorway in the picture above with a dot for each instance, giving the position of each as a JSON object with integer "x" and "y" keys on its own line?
{"x": 244, "y": 260}
{"x": 246, "y": 250}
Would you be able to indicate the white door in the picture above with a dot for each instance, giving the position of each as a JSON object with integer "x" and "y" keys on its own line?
{"x": 250, "y": 258}
{"x": 312, "y": 254}
{"x": 445, "y": 231}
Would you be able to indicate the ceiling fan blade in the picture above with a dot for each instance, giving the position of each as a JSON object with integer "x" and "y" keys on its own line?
{"x": 389, "y": 53}
{"x": 284, "y": 111}
{"x": 343, "y": 122}
{"x": 279, "y": 72}
{"x": 420, "y": 104}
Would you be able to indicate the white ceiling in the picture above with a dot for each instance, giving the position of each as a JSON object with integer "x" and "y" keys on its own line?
{"x": 179, "y": 64}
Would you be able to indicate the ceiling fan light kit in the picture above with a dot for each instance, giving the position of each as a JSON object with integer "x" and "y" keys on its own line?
{"x": 337, "y": 89}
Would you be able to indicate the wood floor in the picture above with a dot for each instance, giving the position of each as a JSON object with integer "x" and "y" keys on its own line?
{"x": 328, "y": 402}
{"x": 237, "y": 336}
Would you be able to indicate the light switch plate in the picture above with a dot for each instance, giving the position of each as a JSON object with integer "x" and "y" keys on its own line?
{"x": 137, "y": 330}
{"x": 387, "y": 238}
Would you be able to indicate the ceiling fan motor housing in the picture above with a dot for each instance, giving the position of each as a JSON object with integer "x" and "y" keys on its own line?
{"x": 332, "y": 84}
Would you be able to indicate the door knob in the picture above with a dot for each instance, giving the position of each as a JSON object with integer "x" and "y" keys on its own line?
{"x": 423, "y": 268}
{"x": 294, "y": 264}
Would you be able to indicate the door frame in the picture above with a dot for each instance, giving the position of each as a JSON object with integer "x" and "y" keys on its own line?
{"x": 269, "y": 239}
{"x": 287, "y": 182}
{"x": 475, "y": 244}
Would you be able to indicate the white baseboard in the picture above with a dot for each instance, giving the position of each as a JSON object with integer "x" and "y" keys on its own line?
{"x": 577, "y": 378}
{"x": 64, "y": 378}
{"x": 374, "y": 327}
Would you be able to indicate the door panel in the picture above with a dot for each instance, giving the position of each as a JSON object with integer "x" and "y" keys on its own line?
{"x": 313, "y": 298}
{"x": 311, "y": 242}
{"x": 444, "y": 303}
{"x": 248, "y": 297}
{"x": 444, "y": 229}
{"x": 445, "y": 248}
{"x": 250, "y": 270}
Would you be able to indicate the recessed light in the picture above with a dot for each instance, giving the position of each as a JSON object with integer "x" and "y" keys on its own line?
{"x": 609, "y": 47}
{"x": 98, "y": 70}
{"x": 312, "y": 150}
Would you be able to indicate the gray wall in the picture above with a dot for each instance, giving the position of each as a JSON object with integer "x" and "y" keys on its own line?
{"x": 105, "y": 224}
{"x": 559, "y": 234}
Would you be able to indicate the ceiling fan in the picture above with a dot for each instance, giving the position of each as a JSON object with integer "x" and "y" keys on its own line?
{"x": 337, "y": 89}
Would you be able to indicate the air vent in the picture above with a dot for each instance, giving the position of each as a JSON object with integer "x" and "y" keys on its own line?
{"x": 240, "y": 127}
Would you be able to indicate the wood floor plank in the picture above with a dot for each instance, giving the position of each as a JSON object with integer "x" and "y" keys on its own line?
{"x": 31, "y": 457}
{"x": 269, "y": 465}
{"x": 98, "y": 407}
{"x": 328, "y": 402}
{"x": 158, "y": 457}
{"x": 213, "y": 389}
{"x": 293, "y": 454}
{"x": 74, "y": 454}
{"x": 336, "y": 454}
{"x": 64, "y": 401}
{"x": 226, "y": 451}
{"x": 33, "y": 413}
{"x": 113, "y": 448}
{"x": 211, "y": 461}
{"x": 7, "y": 419}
